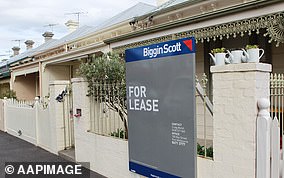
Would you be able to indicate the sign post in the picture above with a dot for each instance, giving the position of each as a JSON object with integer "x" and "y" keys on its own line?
{"x": 160, "y": 81}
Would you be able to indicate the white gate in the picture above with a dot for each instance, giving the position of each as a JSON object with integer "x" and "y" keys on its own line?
{"x": 68, "y": 122}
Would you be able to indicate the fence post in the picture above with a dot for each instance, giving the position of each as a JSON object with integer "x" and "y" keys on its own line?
{"x": 263, "y": 139}
{"x": 36, "y": 105}
{"x": 5, "y": 113}
{"x": 236, "y": 90}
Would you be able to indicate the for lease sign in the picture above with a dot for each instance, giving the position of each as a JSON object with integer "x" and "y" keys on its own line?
{"x": 161, "y": 109}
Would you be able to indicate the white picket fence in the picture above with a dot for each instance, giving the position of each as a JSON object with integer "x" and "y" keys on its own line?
{"x": 269, "y": 154}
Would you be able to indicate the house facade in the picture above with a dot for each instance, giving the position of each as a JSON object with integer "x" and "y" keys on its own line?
{"x": 60, "y": 59}
{"x": 214, "y": 24}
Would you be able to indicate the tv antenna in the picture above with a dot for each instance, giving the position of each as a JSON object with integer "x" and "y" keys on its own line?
{"x": 78, "y": 15}
{"x": 51, "y": 26}
{"x": 19, "y": 41}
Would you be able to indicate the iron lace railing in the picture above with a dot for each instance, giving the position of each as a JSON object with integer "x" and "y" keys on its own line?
{"x": 277, "y": 98}
{"x": 108, "y": 109}
{"x": 204, "y": 119}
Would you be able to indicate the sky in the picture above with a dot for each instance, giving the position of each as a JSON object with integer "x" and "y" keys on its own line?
{"x": 22, "y": 20}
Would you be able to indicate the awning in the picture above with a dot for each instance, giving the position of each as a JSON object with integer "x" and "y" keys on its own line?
{"x": 66, "y": 59}
{"x": 273, "y": 23}
{"x": 24, "y": 72}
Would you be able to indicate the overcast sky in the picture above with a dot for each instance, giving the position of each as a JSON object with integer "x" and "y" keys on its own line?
{"x": 29, "y": 19}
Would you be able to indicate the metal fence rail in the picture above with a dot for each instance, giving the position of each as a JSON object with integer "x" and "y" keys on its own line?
{"x": 108, "y": 109}
{"x": 204, "y": 119}
{"x": 109, "y": 115}
{"x": 277, "y": 98}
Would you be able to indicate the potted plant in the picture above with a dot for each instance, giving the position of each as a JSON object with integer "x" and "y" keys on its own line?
{"x": 218, "y": 50}
{"x": 252, "y": 53}
{"x": 218, "y": 56}
{"x": 251, "y": 47}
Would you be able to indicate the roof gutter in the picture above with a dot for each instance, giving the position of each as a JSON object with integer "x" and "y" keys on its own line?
{"x": 168, "y": 9}
{"x": 194, "y": 19}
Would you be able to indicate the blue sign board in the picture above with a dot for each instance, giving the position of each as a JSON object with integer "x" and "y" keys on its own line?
{"x": 170, "y": 48}
{"x": 160, "y": 81}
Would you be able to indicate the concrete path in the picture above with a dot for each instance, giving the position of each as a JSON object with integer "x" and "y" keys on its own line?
{"x": 13, "y": 149}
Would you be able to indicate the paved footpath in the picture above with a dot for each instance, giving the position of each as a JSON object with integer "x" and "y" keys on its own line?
{"x": 13, "y": 149}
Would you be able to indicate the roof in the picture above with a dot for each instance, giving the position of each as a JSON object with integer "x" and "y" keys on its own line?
{"x": 47, "y": 45}
{"x": 29, "y": 53}
{"x": 134, "y": 11}
{"x": 167, "y": 6}
{"x": 81, "y": 31}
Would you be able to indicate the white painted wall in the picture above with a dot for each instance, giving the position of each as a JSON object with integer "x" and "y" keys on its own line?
{"x": 236, "y": 89}
{"x": 2, "y": 127}
{"x": 107, "y": 156}
{"x": 205, "y": 168}
{"x": 26, "y": 86}
{"x": 45, "y": 123}
{"x": 53, "y": 73}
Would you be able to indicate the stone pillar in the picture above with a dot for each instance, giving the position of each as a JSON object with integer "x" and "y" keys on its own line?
{"x": 56, "y": 111}
{"x": 236, "y": 89}
{"x": 82, "y": 123}
{"x": 81, "y": 101}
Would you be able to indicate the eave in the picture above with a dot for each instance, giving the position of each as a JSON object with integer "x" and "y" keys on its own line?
{"x": 194, "y": 19}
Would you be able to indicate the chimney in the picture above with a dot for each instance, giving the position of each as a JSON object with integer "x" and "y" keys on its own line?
{"x": 16, "y": 50}
{"x": 29, "y": 44}
{"x": 47, "y": 36}
{"x": 160, "y": 2}
{"x": 72, "y": 25}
